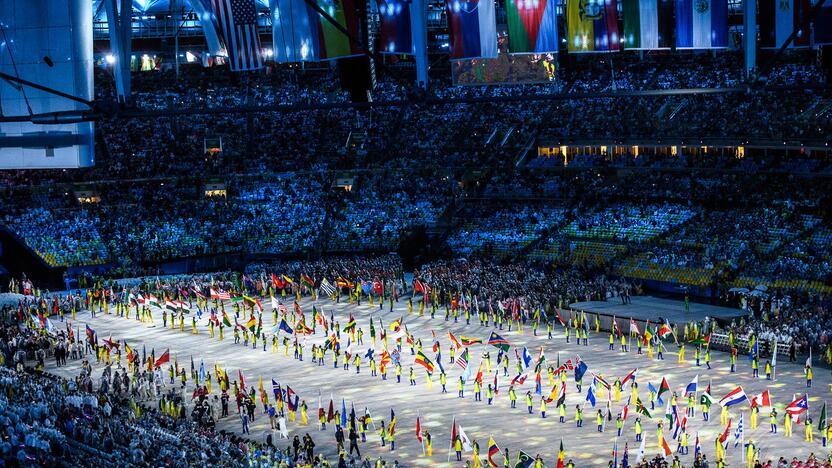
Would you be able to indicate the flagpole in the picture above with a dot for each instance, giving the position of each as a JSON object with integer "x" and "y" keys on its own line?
{"x": 451, "y": 443}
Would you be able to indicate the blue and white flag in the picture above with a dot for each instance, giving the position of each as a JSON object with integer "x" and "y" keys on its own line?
{"x": 590, "y": 397}
{"x": 691, "y": 388}
{"x": 701, "y": 24}
{"x": 738, "y": 432}
{"x": 527, "y": 358}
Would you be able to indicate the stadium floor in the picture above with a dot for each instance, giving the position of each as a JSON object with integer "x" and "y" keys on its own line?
{"x": 511, "y": 428}
{"x": 651, "y": 308}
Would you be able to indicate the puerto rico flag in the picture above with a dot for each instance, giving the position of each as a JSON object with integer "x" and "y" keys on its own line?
{"x": 472, "y": 28}
{"x": 801, "y": 405}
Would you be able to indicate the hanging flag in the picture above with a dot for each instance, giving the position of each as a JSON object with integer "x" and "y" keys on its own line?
{"x": 778, "y": 18}
{"x": 822, "y": 23}
{"x": 823, "y": 422}
{"x": 592, "y": 25}
{"x": 532, "y": 26}
{"x": 701, "y": 24}
{"x": 301, "y": 34}
{"x": 472, "y": 29}
{"x": 648, "y": 24}
{"x": 561, "y": 455}
{"x": 237, "y": 26}
{"x": 396, "y": 26}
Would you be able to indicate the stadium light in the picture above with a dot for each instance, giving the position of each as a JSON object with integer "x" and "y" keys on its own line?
{"x": 110, "y": 58}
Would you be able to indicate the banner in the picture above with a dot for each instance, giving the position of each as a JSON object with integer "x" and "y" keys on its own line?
{"x": 472, "y": 28}
{"x": 301, "y": 34}
{"x": 592, "y": 26}
{"x": 532, "y": 26}
{"x": 778, "y": 18}
{"x": 396, "y": 36}
{"x": 648, "y": 24}
{"x": 701, "y": 24}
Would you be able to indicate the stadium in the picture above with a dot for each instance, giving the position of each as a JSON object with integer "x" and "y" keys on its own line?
{"x": 388, "y": 233}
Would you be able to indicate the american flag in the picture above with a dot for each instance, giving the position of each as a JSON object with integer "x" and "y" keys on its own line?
{"x": 237, "y": 20}
{"x": 462, "y": 360}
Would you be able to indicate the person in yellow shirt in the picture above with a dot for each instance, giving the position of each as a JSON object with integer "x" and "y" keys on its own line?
{"x": 754, "y": 411}
{"x": 787, "y": 424}
{"x": 543, "y": 407}
{"x": 681, "y": 359}
{"x": 807, "y": 426}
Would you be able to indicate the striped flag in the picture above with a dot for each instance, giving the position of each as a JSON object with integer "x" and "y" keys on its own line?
{"x": 237, "y": 24}
{"x": 738, "y": 432}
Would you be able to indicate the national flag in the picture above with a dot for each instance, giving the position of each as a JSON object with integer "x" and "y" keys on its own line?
{"x": 823, "y": 421}
{"x": 691, "y": 388}
{"x": 532, "y": 26}
{"x": 763, "y": 400}
{"x": 423, "y": 361}
{"x": 738, "y": 431}
{"x": 519, "y": 379}
{"x": 590, "y": 397}
{"x": 640, "y": 408}
{"x": 665, "y": 330}
{"x": 600, "y": 379}
{"x": 493, "y": 450}
{"x": 463, "y": 437}
{"x": 163, "y": 359}
{"x": 327, "y": 287}
{"x": 632, "y": 375}
{"x": 472, "y": 29}
{"x": 665, "y": 447}
{"x": 129, "y": 352}
{"x": 221, "y": 295}
{"x": 697, "y": 446}
{"x": 592, "y": 26}
{"x": 90, "y": 333}
{"x": 642, "y": 450}
{"x": 664, "y": 387}
{"x": 648, "y": 24}
{"x": 634, "y": 327}
{"x": 706, "y": 399}
{"x": 734, "y": 397}
{"x": 392, "y": 427}
{"x": 527, "y": 358}
{"x": 283, "y": 326}
{"x": 396, "y": 325}
{"x": 615, "y": 327}
{"x": 724, "y": 437}
{"x": 454, "y": 340}
{"x": 798, "y": 406}
{"x": 498, "y": 342}
{"x": 523, "y": 460}
{"x": 350, "y": 324}
{"x": 580, "y": 370}
{"x": 468, "y": 341}
{"x": 153, "y": 300}
{"x": 252, "y": 323}
{"x": 225, "y": 320}
{"x": 242, "y": 380}
{"x": 462, "y": 360}
{"x": 703, "y": 341}
{"x": 561, "y": 455}
{"x": 777, "y": 20}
